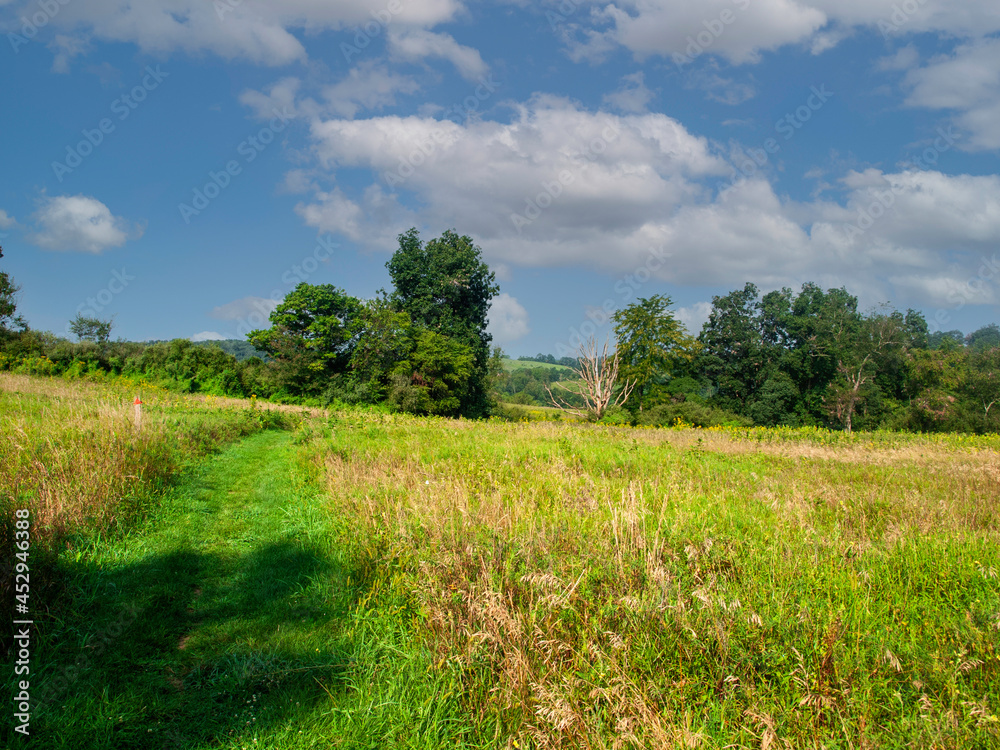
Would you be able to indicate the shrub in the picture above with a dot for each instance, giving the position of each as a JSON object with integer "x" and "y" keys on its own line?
{"x": 691, "y": 413}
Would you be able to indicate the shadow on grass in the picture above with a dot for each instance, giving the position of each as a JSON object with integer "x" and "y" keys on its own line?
{"x": 189, "y": 650}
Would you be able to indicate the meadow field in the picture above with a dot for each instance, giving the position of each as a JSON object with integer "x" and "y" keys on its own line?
{"x": 355, "y": 578}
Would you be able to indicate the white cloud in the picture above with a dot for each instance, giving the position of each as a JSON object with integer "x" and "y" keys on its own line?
{"x": 632, "y": 96}
{"x": 297, "y": 181}
{"x": 6, "y": 220}
{"x": 508, "y": 320}
{"x": 607, "y": 170}
{"x": 207, "y": 336}
{"x": 334, "y": 212}
{"x": 414, "y": 45}
{"x": 968, "y": 82}
{"x": 369, "y": 85}
{"x": 280, "y": 97}
{"x": 66, "y": 48}
{"x": 741, "y": 30}
{"x": 80, "y": 223}
{"x": 738, "y": 31}
{"x": 241, "y": 309}
{"x": 256, "y": 30}
{"x": 903, "y": 59}
{"x": 559, "y": 186}
{"x": 694, "y": 317}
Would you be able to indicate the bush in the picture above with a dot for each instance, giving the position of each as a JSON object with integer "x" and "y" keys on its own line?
{"x": 692, "y": 413}
{"x": 616, "y": 415}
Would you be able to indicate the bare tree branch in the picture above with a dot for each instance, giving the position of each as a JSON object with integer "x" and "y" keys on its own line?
{"x": 599, "y": 373}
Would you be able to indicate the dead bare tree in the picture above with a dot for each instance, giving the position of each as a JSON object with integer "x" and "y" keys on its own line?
{"x": 599, "y": 374}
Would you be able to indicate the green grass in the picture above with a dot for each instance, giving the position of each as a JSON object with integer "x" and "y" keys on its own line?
{"x": 685, "y": 588}
{"x": 241, "y": 626}
{"x": 379, "y": 580}
{"x": 510, "y": 365}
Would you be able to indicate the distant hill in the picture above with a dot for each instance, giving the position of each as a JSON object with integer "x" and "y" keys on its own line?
{"x": 511, "y": 365}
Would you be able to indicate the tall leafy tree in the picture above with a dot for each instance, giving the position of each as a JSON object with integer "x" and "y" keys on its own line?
{"x": 445, "y": 286}
{"x": 859, "y": 360}
{"x": 10, "y": 321}
{"x": 91, "y": 329}
{"x": 311, "y": 336}
{"x": 733, "y": 352}
{"x": 435, "y": 377}
{"x": 385, "y": 338}
{"x": 651, "y": 343}
{"x": 982, "y": 385}
{"x": 986, "y": 337}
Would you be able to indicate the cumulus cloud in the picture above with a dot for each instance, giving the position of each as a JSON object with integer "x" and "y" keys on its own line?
{"x": 207, "y": 336}
{"x": 80, "y": 223}
{"x": 369, "y": 85}
{"x": 6, "y": 220}
{"x": 559, "y": 186}
{"x": 255, "y": 30}
{"x": 604, "y": 171}
{"x": 280, "y": 97}
{"x": 968, "y": 83}
{"x": 241, "y": 309}
{"x": 632, "y": 96}
{"x": 508, "y": 320}
{"x": 740, "y": 31}
{"x": 415, "y": 45}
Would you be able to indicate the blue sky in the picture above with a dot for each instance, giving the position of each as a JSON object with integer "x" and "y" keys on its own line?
{"x": 182, "y": 164}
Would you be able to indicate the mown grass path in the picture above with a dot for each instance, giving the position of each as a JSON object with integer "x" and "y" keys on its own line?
{"x": 218, "y": 623}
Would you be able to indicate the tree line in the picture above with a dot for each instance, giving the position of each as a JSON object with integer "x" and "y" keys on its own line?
{"x": 810, "y": 358}
{"x": 420, "y": 347}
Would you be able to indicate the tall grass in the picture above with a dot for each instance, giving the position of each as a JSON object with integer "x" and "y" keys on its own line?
{"x": 71, "y": 454}
{"x": 596, "y": 587}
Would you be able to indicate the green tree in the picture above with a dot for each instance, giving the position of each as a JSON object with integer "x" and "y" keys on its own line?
{"x": 986, "y": 337}
{"x": 10, "y": 321}
{"x": 445, "y": 286}
{"x": 91, "y": 329}
{"x": 435, "y": 377}
{"x": 311, "y": 337}
{"x": 733, "y": 352}
{"x": 982, "y": 384}
{"x": 860, "y": 358}
{"x": 651, "y": 342}
{"x": 384, "y": 339}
